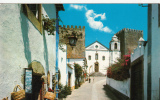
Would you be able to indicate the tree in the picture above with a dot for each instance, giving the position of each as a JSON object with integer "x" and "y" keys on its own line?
{"x": 78, "y": 72}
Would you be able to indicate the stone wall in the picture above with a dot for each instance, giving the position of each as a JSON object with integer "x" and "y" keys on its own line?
{"x": 77, "y": 51}
{"x": 128, "y": 39}
{"x": 121, "y": 86}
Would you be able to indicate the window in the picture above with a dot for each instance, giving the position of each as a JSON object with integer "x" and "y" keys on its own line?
{"x": 33, "y": 8}
{"x": 96, "y": 56}
{"x": 89, "y": 57}
{"x": 34, "y": 13}
{"x": 115, "y": 46}
{"x": 96, "y": 46}
{"x": 103, "y": 57}
{"x": 158, "y": 15}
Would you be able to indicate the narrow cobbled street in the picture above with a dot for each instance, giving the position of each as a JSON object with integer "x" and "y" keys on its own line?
{"x": 95, "y": 90}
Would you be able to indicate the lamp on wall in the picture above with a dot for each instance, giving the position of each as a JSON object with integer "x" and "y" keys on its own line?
{"x": 72, "y": 35}
{"x": 72, "y": 40}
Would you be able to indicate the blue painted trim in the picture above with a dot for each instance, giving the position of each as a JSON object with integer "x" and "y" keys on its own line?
{"x": 57, "y": 42}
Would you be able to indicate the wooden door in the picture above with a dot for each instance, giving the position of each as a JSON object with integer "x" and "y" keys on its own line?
{"x": 96, "y": 67}
{"x": 69, "y": 79}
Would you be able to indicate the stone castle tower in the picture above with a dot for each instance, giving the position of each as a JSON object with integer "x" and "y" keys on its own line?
{"x": 128, "y": 40}
{"x": 77, "y": 51}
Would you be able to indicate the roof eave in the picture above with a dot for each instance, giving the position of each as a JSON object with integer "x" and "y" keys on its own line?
{"x": 60, "y": 7}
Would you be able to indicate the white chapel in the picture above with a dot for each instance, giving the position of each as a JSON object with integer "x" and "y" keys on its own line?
{"x": 99, "y": 57}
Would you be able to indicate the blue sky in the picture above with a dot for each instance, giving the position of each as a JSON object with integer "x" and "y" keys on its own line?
{"x": 102, "y": 21}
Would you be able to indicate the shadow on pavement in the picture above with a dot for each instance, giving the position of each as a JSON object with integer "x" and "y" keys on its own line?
{"x": 109, "y": 93}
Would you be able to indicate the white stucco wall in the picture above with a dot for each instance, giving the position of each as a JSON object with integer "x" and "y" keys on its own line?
{"x": 110, "y": 57}
{"x": 73, "y": 77}
{"x": 20, "y": 44}
{"x": 62, "y": 65}
{"x": 64, "y": 69}
{"x": 113, "y": 45}
{"x": 121, "y": 86}
{"x": 114, "y": 55}
{"x": 139, "y": 51}
{"x": 78, "y": 61}
{"x": 72, "y": 71}
{"x": 103, "y": 64}
{"x": 145, "y": 70}
{"x": 155, "y": 53}
{"x": 71, "y": 62}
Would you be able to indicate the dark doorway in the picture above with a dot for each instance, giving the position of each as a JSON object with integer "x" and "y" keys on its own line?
{"x": 37, "y": 86}
{"x": 69, "y": 79}
{"x": 96, "y": 67}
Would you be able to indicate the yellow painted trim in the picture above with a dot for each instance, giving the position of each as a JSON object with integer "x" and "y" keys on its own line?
{"x": 33, "y": 18}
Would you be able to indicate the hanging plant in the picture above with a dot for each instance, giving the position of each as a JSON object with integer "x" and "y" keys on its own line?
{"x": 49, "y": 25}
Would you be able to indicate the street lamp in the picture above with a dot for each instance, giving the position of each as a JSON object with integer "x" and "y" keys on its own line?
{"x": 72, "y": 40}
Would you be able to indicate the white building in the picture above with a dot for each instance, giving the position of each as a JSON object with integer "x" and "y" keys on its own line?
{"x": 23, "y": 42}
{"x": 99, "y": 57}
{"x": 67, "y": 72}
{"x": 146, "y": 56}
{"x": 73, "y": 53}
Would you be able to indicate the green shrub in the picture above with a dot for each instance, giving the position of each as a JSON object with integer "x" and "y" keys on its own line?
{"x": 64, "y": 91}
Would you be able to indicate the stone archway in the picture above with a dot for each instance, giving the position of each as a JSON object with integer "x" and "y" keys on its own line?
{"x": 37, "y": 82}
{"x": 96, "y": 68}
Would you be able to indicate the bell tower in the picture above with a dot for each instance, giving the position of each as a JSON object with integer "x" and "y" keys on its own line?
{"x": 114, "y": 44}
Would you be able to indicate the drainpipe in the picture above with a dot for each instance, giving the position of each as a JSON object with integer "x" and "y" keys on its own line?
{"x": 57, "y": 42}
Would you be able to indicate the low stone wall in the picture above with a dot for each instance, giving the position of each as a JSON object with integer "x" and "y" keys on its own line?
{"x": 118, "y": 94}
{"x": 121, "y": 86}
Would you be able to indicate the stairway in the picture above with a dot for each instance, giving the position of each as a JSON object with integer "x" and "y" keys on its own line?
{"x": 97, "y": 74}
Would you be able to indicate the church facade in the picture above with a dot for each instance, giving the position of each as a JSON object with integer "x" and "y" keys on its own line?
{"x": 99, "y": 57}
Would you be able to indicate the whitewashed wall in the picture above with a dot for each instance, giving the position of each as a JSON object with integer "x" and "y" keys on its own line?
{"x": 72, "y": 71}
{"x": 102, "y": 51}
{"x": 139, "y": 51}
{"x": 103, "y": 64}
{"x": 71, "y": 62}
{"x": 121, "y": 86}
{"x": 114, "y": 56}
{"x": 62, "y": 65}
{"x": 64, "y": 69}
{"x": 110, "y": 57}
{"x": 78, "y": 61}
{"x": 145, "y": 56}
{"x": 112, "y": 44}
{"x": 155, "y": 53}
{"x": 20, "y": 44}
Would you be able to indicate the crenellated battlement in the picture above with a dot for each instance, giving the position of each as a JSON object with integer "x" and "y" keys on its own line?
{"x": 79, "y": 28}
{"x": 131, "y": 30}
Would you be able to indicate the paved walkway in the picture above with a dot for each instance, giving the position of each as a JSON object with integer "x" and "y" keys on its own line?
{"x": 92, "y": 91}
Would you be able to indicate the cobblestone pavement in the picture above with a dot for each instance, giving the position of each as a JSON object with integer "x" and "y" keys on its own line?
{"x": 92, "y": 91}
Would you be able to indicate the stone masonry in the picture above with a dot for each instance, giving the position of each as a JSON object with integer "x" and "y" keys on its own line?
{"x": 73, "y": 52}
{"x": 128, "y": 40}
